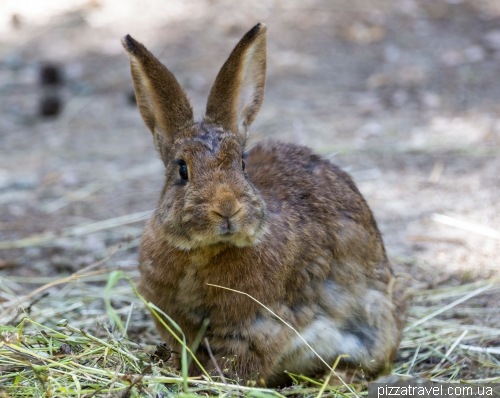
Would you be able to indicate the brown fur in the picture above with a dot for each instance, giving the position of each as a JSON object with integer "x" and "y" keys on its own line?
{"x": 292, "y": 230}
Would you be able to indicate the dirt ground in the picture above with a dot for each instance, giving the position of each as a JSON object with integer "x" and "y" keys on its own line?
{"x": 405, "y": 95}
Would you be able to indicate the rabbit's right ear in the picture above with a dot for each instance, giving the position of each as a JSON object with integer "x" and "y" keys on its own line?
{"x": 238, "y": 91}
{"x": 162, "y": 102}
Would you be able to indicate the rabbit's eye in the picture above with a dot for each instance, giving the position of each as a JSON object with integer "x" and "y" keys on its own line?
{"x": 183, "y": 170}
{"x": 243, "y": 165}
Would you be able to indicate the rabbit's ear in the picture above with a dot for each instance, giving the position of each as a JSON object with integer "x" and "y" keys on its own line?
{"x": 238, "y": 91}
{"x": 163, "y": 104}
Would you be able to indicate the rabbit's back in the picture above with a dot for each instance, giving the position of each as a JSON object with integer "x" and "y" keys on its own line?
{"x": 319, "y": 205}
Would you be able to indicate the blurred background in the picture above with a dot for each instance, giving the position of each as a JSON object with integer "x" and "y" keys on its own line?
{"x": 403, "y": 94}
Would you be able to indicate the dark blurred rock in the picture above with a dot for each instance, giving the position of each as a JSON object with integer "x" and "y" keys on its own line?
{"x": 7, "y": 264}
{"x": 50, "y": 75}
{"x": 15, "y": 21}
{"x": 50, "y": 105}
{"x": 361, "y": 32}
{"x": 131, "y": 97}
{"x": 436, "y": 10}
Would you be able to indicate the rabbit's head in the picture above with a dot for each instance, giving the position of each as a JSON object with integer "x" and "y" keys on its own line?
{"x": 208, "y": 198}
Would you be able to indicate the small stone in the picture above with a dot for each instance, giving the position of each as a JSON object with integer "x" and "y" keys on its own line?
{"x": 436, "y": 10}
{"x": 368, "y": 103}
{"x": 411, "y": 75}
{"x": 94, "y": 243}
{"x": 50, "y": 105}
{"x": 16, "y": 211}
{"x": 50, "y": 75}
{"x": 364, "y": 33}
{"x": 378, "y": 80}
{"x": 452, "y": 58}
{"x": 474, "y": 53}
{"x": 371, "y": 128}
{"x": 69, "y": 179}
{"x": 399, "y": 98}
{"x": 430, "y": 100}
{"x": 392, "y": 54}
{"x": 492, "y": 39}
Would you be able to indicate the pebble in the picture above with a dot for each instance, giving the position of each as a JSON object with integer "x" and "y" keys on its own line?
{"x": 399, "y": 98}
{"x": 492, "y": 39}
{"x": 474, "y": 53}
{"x": 371, "y": 128}
{"x": 430, "y": 100}
{"x": 471, "y": 54}
{"x": 50, "y": 105}
{"x": 392, "y": 54}
{"x": 50, "y": 75}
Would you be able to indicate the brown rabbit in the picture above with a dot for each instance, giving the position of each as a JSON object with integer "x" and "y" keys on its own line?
{"x": 277, "y": 222}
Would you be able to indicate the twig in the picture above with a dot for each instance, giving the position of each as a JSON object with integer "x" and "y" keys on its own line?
{"x": 467, "y": 226}
{"x": 78, "y": 230}
{"x": 450, "y": 350}
{"x": 110, "y": 384}
{"x": 423, "y": 238}
{"x": 436, "y": 173}
{"x": 27, "y": 310}
{"x": 136, "y": 380}
{"x": 451, "y": 305}
{"x": 128, "y": 320}
{"x": 327, "y": 379}
{"x": 215, "y": 361}
{"x": 196, "y": 380}
{"x": 488, "y": 350}
{"x": 413, "y": 360}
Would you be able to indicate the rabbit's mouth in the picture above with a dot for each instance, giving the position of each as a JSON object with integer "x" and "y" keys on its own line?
{"x": 232, "y": 232}
{"x": 228, "y": 227}
{"x": 227, "y": 231}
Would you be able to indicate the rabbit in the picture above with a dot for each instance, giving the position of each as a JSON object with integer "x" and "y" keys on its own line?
{"x": 277, "y": 222}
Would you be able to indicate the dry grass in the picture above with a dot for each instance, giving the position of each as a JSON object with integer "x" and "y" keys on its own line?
{"x": 90, "y": 334}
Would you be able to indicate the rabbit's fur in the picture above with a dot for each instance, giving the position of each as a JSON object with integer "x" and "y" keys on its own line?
{"x": 291, "y": 230}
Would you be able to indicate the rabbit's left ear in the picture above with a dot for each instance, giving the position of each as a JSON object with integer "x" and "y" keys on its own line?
{"x": 163, "y": 104}
{"x": 238, "y": 91}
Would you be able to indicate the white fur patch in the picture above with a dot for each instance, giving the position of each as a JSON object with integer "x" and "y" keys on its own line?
{"x": 324, "y": 336}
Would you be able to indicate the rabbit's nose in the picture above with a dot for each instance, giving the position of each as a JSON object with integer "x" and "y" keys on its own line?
{"x": 227, "y": 212}
{"x": 225, "y": 207}
{"x": 225, "y": 226}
